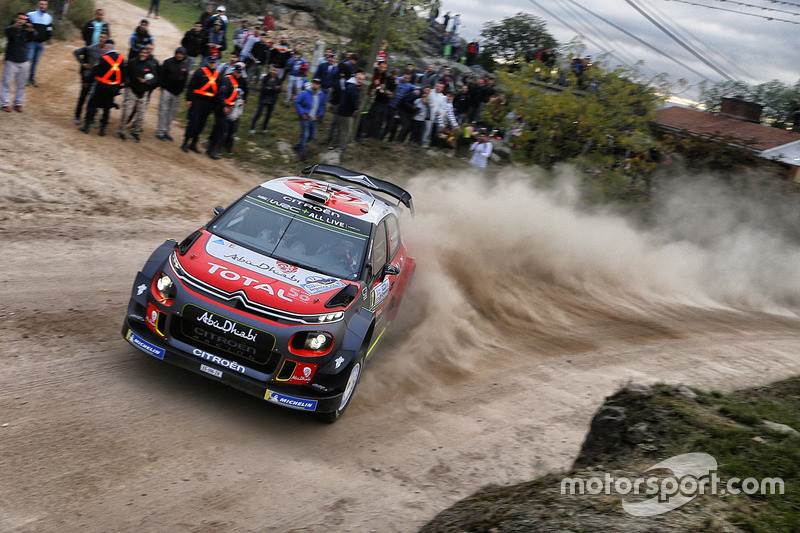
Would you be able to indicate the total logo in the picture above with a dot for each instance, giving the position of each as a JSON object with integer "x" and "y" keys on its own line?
{"x": 251, "y": 283}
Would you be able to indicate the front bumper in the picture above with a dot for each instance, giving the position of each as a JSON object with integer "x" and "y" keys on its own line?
{"x": 228, "y": 372}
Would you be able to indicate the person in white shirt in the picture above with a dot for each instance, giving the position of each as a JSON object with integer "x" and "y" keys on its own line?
{"x": 43, "y": 25}
{"x": 482, "y": 150}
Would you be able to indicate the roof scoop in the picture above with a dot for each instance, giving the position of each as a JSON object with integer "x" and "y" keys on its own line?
{"x": 317, "y": 195}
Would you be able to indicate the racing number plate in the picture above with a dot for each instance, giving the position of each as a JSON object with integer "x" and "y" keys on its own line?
{"x": 213, "y": 371}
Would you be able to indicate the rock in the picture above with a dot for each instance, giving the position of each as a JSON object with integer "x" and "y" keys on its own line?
{"x": 638, "y": 390}
{"x": 605, "y": 436}
{"x": 331, "y": 157}
{"x": 782, "y": 428}
{"x": 686, "y": 392}
{"x": 284, "y": 147}
{"x": 501, "y": 152}
{"x": 637, "y": 433}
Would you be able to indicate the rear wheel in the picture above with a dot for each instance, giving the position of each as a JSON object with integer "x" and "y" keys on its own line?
{"x": 349, "y": 389}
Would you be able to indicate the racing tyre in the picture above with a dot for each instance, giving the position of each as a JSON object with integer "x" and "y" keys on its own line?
{"x": 349, "y": 390}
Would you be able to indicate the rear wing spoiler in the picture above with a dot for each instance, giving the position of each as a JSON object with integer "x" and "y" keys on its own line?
{"x": 364, "y": 180}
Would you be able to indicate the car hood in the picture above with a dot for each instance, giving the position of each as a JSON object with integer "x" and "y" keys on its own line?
{"x": 235, "y": 269}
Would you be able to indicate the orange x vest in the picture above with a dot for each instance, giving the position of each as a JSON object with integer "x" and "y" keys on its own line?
{"x": 114, "y": 71}
{"x": 210, "y": 88}
{"x": 232, "y": 98}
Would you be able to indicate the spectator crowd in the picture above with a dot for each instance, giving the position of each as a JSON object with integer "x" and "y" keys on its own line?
{"x": 215, "y": 78}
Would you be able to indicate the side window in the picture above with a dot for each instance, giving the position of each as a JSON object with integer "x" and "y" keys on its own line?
{"x": 379, "y": 248}
{"x": 393, "y": 234}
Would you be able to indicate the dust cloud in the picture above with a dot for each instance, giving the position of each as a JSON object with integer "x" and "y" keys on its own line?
{"x": 509, "y": 265}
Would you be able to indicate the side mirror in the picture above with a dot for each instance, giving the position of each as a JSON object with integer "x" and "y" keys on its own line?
{"x": 389, "y": 270}
{"x": 218, "y": 210}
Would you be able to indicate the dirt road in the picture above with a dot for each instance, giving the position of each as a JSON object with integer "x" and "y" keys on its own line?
{"x": 518, "y": 324}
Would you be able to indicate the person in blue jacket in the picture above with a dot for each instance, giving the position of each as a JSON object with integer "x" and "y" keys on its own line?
{"x": 310, "y": 105}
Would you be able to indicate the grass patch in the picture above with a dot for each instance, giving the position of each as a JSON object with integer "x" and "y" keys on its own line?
{"x": 730, "y": 427}
{"x": 181, "y": 14}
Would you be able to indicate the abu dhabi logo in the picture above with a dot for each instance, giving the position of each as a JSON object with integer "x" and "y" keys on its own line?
{"x": 691, "y": 475}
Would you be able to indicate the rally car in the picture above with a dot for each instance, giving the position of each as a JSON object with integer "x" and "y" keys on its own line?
{"x": 283, "y": 294}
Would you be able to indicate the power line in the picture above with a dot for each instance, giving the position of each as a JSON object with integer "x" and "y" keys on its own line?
{"x": 632, "y": 36}
{"x": 745, "y": 4}
{"x": 686, "y": 34}
{"x": 627, "y": 60}
{"x": 568, "y": 25}
{"x": 737, "y": 12}
{"x": 680, "y": 42}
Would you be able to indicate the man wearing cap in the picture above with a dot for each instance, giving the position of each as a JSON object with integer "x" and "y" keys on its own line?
{"x": 218, "y": 16}
{"x": 173, "y": 74}
{"x": 140, "y": 38}
{"x": 215, "y": 40}
{"x": 297, "y": 67}
{"x": 310, "y": 105}
{"x": 108, "y": 78}
{"x": 141, "y": 74}
{"x": 230, "y": 103}
{"x": 200, "y": 97}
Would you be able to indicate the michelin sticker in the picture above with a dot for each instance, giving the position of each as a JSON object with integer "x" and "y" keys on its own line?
{"x": 145, "y": 346}
{"x": 290, "y": 401}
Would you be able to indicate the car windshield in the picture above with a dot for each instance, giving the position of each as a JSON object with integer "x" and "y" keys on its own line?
{"x": 332, "y": 244}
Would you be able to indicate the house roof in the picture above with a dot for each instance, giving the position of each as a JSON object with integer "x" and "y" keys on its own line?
{"x": 755, "y": 136}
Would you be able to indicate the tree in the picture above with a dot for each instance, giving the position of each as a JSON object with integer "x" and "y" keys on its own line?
{"x": 604, "y": 130}
{"x": 512, "y": 36}
{"x": 779, "y": 100}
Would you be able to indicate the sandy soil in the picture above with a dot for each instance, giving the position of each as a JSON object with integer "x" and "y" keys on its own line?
{"x": 517, "y": 326}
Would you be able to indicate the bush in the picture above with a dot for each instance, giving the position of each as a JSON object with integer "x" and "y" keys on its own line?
{"x": 78, "y": 13}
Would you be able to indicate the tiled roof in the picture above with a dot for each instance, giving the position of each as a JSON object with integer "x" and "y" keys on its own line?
{"x": 752, "y": 135}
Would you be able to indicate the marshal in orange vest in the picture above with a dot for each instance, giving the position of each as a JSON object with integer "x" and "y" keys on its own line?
{"x": 210, "y": 88}
{"x": 113, "y": 75}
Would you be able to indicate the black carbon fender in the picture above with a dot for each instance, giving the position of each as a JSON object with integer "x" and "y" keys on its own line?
{"x": 157, "y": 258}
{"x": 150, "y": 269}
{"x": 357, "y": 333}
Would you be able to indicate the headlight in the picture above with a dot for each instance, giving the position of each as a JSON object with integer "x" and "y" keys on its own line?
{"x": 316, "y": 342}
{"x": 311, "y": 343}
{"x": 164, "y": 288}
{"x": 331, "y": 317}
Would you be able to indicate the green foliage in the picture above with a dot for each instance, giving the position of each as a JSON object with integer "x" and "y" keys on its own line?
{"x": 779, "y": 99}
{"x": 511, "y": 37}
{"x": 745, "y": 448}
{"x": 362, "y": 20}
{"x": 80, "y": 11}
{"x": 604, "y": 129}
{"x": 9, "y": 9}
